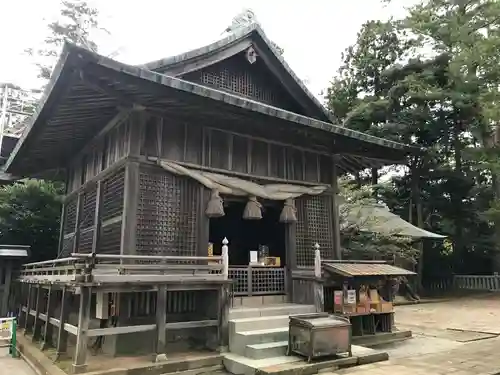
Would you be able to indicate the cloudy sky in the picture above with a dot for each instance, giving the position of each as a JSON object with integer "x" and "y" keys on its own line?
{"x": 313, "y": 33}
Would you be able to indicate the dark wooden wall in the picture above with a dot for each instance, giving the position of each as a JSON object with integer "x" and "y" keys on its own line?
{"x": 234, "y": 151}
{"x": 254, "y": 81}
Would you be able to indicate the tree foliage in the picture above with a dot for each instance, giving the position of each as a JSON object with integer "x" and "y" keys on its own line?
{"x": 76, "y": 22}
{"x": 29, "y": 215}
{"x": 431, "y": 80}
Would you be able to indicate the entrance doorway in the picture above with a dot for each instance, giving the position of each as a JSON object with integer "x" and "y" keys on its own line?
{"x": 245, "y": 236}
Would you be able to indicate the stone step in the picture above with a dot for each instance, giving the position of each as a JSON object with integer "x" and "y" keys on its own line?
{"x": 239, "y": 341}
{"x": 266, "y": 350}
{"x": 262, "y": 322}
{"x": 237, "y": 364}
{"x": 293, "y": 365}
{"x": 271, "y": 310}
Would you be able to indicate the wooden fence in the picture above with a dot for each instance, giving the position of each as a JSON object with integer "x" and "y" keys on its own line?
{"x": 480, "y": 283}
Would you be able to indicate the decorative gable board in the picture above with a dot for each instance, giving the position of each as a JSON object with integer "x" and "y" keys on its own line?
{"x": 251, "y": 80}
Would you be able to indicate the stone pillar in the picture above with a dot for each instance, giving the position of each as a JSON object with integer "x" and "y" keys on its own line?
{"x": 223, "y": 315}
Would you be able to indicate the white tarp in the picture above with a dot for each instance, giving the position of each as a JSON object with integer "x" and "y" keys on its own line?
{"x": 236, "y": 186}
{"x": 378, "y": 219}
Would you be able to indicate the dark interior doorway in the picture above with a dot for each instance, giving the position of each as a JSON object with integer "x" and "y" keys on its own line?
{"x": 246, "y": 235}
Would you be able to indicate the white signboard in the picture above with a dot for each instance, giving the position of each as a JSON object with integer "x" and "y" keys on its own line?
{"x": 351, "y": 297}
{"x": 6, "y": 328}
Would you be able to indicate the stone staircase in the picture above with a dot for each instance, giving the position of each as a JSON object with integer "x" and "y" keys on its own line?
{"x": 259, "y": 336}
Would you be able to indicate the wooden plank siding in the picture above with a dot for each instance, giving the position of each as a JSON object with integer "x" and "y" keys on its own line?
{"x": 233, "y": 151}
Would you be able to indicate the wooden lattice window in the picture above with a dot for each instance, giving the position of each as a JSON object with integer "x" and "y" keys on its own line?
{"x": 167, "y": 214}
{"x": 314, "y": 224}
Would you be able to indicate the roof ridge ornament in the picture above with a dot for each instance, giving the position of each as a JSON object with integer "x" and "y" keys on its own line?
{"x": 247, "y": 18}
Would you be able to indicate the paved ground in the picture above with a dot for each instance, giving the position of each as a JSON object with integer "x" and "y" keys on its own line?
{"x": 459, "y": 337}
{"x": 13, "y": 366}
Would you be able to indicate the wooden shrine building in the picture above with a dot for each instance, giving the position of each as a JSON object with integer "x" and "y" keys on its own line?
{"x": 162, "y": 162}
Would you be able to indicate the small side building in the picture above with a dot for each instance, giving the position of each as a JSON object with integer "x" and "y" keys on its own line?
{"x": 175, "y": 172}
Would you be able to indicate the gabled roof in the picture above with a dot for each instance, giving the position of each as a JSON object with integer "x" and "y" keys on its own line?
{"x": 86, "y": 90}
{"x": 233, "y": 44}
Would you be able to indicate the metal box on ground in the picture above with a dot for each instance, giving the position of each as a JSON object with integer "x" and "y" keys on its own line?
{"x": 319, "y": 335}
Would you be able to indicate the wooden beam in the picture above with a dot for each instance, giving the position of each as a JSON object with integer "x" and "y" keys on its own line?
{"x": 120, "y": 330}
{"x": 70, "y": 328}
{"x": 100, "y": 176}
{"x": 205, "y": 60}
{"x": 80, "y": 357}
{"x": 129, "y": 215}
{"x": 161, "y": 324}
{"x": 192, "y": 324}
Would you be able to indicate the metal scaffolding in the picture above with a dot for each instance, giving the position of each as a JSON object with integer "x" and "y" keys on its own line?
{"x": 16, "y": 105}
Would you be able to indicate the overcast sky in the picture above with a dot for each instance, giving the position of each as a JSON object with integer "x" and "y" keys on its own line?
{"x": 313, "y": 33}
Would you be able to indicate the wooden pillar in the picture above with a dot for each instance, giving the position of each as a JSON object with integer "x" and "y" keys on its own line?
{"x": 61, "y": 227}
{"x": 37, "y": 322}
{"x": 47, "y": 329}
{"x": 27, "y": 320}
{"x": 80, "y": 358}
{"x": 62, "y": 335}
{"x": 76, "y": 237}
{"x": 223, "y": 315}
{"x": 97, "y": 217}
{"x": 129, "y": 215}
{"x": 337, "y": 250}
{"x": 161, "y": 322}
{"x": 6, "y": 287}
{"x": 291, "y": 257}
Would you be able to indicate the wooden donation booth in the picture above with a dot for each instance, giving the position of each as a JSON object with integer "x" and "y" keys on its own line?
{"x": 363, "y": 292}
{"x": 154, "y": 159}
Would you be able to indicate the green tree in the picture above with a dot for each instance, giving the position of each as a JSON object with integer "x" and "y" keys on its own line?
{"x": 29, "y": 215}
{"x": 469, "y": 33}
{"x": 387, "y": 89}
{"x": 76, "y": 23}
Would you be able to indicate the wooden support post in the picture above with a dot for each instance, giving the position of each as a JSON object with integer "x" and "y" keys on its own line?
{"x": 27, "y": 325}
{"x": 97, "y": 217}
{"x": 337, "y": 250}
{"x": 291, "y": 257}
{"x": 47, "y": 329}
{"x": 61, "y": 228}
{"x": 80, "y": 358}
{"x": 161, "y": 323}
{"x": 223, "y": 315}
{"x": 319, "y": 297}
{"x": 6, "y": 287}
{"x": 62, "y": 335}
{"x": 37, "y": 322}
{"x": 76, "y": 237}
{"x": 21, "y": 316}
{"x": 130, "y": 202}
